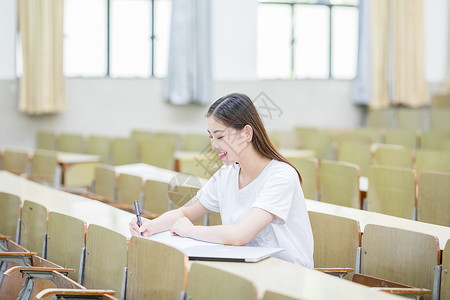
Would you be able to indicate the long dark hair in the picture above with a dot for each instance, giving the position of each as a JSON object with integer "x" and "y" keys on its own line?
{"x": 237, "y": 110}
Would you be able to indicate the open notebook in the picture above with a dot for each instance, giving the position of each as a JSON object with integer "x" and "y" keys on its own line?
{"x": 198, "y": 250}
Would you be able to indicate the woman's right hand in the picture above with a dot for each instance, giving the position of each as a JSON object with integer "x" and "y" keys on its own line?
{"x": 136, "y": 231}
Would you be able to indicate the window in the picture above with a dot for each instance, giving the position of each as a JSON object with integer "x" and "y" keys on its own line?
{"x": 116, "y": 38}
{"x": 307, "y": 39}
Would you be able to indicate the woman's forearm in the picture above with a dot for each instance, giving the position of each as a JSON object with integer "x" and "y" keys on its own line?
{"x": 222, "y": 234}
{"x": 163, "y": 222}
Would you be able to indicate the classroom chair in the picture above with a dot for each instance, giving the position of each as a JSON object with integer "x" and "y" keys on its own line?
{"x": 203, "y": 166}
{"x": 380, "y": 118}
{"x": 206, "y": 282}
{"x": 300, "y": 130}
{"x": 319, "y": 142}
{"x": 214, "y": 219}
{"x": 104, "y": 188}
{"x": 403, "y": 137}
{"x": 140, "y": 135}
{"x": 180, "y": 195}
{"x": 65, "y": 241}
{"x": 440, "y": 101}
{"x": 392, "y": 155}
{"x": 392, "y": 191}
{"x": 433, "y": 201}
{"x": 309, "y": 170}
{"x": 15, "y": 161}
{"x": 285, "y": 139}
{"x": 356, "y": 137}
{"x": 103, "y": 265}
{"x": 440, "y": 119}
{"x": 432, "y": 160}
{"x": 158, "y": 152}
{"x": 105, "y": 260}
{"x": 411, "y": 118}
{"x": 129, "y": 189}
{"x": 46, "y": 140}
{"x": 339, "y": 183}
{"x": 68, "y": 142}
{"x": 156, "y": 198}
{"x": 9, "y": 215}
{"x": 269, "y": 295}
{"x": 124, "y": 151}
{"x": 434, "y": 139}
{"x": 155, "y": 270}
{"x": 194, "y": 142}
{"x": 387, "y": 254}
{"x": 15, "y": 280}
{"x": 376, "y": 135}
{"x": 336, "y": 240}
{"x": 172, "y": 136}
{"x": 44, "y": 167}
{"x": 355, "y": 153}
{"x": 445, "y": 275}
{"x": 33, "y": 227}
{"x": 99, "y": 145}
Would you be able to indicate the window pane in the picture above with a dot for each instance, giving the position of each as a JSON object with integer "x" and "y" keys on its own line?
{"x": 311, "y": 41}
{"x": 85, "y": 38}
{"x": 130, "y": 38}
{"x": 345, "y": 42}
{"x": 274, "y": 39}
{"x": 162, "y": 32}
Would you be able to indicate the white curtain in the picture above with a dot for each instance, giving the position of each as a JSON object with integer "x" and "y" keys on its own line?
{"x": 361, "y": 89}
{"x": 189, "y": 78}
{"x": 42, "y": 85}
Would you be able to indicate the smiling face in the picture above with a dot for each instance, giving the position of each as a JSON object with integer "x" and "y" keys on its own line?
{"x": 229, "y": 143}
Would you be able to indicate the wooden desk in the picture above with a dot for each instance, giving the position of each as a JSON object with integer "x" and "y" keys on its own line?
{"x": 88, "y": 210}
{"x": 283, "y": 277}
{"x": 367, "y": 217}
{"x": 149, "y": 172}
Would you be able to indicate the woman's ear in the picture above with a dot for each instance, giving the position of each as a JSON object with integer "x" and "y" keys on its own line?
{"x": 248, "y": 133}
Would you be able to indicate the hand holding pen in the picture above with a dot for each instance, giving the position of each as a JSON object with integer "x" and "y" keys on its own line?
{"x": 138, "y": 215}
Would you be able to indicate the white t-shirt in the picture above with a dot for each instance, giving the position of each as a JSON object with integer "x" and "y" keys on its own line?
{"x": 277, "y": 190}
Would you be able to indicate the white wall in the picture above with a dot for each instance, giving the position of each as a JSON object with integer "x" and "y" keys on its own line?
{"x": 114, "y": 107}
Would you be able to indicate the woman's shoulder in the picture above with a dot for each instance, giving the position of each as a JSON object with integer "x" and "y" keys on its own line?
{"x": 281, "y": 167}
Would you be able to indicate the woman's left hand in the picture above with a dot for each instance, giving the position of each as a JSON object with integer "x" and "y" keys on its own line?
{"x": 182, "y": 227}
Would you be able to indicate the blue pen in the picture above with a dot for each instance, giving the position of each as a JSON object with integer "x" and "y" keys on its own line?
{"x": 138, "y": 214}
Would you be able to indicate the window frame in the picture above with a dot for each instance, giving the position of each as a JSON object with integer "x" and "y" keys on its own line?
{"x": 292, "y": 5}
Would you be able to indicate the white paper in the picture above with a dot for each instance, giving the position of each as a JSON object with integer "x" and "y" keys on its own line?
{"x": 178, "y": 242}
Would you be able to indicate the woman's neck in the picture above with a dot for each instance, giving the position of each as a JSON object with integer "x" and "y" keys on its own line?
{"x": 251, "y": 166}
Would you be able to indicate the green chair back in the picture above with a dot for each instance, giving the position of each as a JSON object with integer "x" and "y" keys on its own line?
{"x": 411, "y": 118}
{"x": 195, "y": 142}
{"x": 433, "y": 202}
{"x": 319, "y": 142}
{"x": 204, "y": 281}
{"x": 339, "y": 183}
{"x": 440, "y": 101}
{"x": 71, "y": 143}
{"x": 392, "y": 155}
{"x": 403, "y": 137}
{"x": 434, "y": 139}
{"x": 158, "y": 152}
{"x": 155, "y": 270}
{"x": 124, "y": 151}
{"x": 129, "y": 189}
{"x": 106, "y": 258}
{"x": 445, "y": 279}
{"x": 65, "y": 241}
{"x": 15, "y": 161}
{"x": 380, "y": 118}
{"x": 392, "y": 191}
{"x": 156, "y": 198}
{"x": 43, "y": 166}
{"x": 140, "y": 135}
{"x": 105, "y": 182}
{"x": 309, "y": 170}
{"x": 34, "y": 226}
{"x": 432, "y": 160}
{"x": 46, "y": 140}
{"x": 99, "y": 145}
{"x": 440, "y": 119}
{"x": 355, "y": 153}
{"x": 9, "y": 214}
{"x": 387, "y": 254}
{"x": 336, "y": 240}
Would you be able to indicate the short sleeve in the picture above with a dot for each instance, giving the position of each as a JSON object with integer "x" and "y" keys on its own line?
{"x": 277, "y": 194}
{"x": 208, "y": 195}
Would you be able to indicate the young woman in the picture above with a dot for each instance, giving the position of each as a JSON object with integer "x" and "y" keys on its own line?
{"x": 257, "y": 191}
